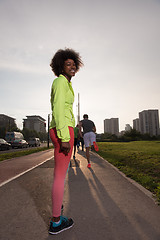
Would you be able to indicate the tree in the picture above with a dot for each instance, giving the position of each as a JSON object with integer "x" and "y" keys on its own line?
{"x": 108, "y": 137}
{"x": 133, "y": 134}
{"x": 2, "y": 132}
{"x": 27, "y": 133}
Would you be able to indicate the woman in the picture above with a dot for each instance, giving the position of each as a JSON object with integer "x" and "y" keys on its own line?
{"x": 64, "y": 64}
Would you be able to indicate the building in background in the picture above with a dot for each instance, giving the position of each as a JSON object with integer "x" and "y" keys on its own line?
{"x": 128, "y": 128}
{"x": 136, "y": 124}
{"x": 149, "y": 122}
{"x": 111, "y": 126}
{"x": 36, "y": 123}
{"x": 7, "y": 122}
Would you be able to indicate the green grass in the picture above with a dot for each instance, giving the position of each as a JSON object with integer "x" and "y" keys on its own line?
{"x": 5, "y": 156}
{"x": 139, "y": 160}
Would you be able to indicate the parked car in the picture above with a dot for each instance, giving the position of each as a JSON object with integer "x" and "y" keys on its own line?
{"x": 19, "y": 143}
{"x": 4, "y": 145}
{"x": 34, "y": 142}
{"x": 12, "y": 136}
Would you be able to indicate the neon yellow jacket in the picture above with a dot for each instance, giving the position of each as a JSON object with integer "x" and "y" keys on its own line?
{"x": 62, "y": 98}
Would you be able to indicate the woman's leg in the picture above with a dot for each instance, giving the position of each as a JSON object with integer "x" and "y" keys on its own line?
{"x": 87, "y": 154}
{"x": 87, "y": 142}
{"x": 60, "y": 170}
{"x": 75, "y": 146}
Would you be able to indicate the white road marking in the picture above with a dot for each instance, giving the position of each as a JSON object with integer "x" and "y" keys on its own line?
{"x": 18, "y": 175}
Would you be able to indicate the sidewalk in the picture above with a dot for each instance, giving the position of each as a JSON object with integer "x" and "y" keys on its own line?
{"x": 102, "y": 202}
{"x": 105, "y": 205}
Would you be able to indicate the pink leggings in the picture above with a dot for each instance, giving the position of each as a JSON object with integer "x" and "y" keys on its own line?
{"x": 60, "y": 169}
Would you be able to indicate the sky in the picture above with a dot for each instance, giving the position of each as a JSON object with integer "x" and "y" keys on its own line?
{"x": 119, "y": 42}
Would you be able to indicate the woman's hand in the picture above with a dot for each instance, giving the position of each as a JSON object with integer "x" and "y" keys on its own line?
{"x": 65, "y": 147}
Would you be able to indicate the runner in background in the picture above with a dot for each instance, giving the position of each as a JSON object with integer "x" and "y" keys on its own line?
{"x": 76, "y": 135}
{"x": 89, "y": 137}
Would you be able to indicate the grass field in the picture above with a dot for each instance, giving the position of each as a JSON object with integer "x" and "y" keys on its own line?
{"x": 139, "y": 160}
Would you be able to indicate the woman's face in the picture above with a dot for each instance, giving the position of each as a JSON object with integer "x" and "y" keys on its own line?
{"x": 69, "y": 69}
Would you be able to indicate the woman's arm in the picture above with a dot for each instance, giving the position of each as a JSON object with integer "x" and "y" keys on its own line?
{"x": 58, "y": 108}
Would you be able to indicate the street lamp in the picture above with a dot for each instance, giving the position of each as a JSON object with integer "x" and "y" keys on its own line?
{"x": 48, "y": 130}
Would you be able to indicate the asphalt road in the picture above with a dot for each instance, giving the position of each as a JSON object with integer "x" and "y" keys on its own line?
{"x": 12, "y": 168}
{"x": 103, "y": 203}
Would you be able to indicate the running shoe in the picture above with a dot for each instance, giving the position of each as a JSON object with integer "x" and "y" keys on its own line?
{"x": 65, "y": 223}
{"x": 89, "y": 165}
{"x": 95, "y": 146}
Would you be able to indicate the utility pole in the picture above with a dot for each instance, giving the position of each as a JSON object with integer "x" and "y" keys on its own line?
{"x": 78, "y": 117}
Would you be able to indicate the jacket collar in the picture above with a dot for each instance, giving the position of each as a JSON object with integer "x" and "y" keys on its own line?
{"x": 69, "y": 83}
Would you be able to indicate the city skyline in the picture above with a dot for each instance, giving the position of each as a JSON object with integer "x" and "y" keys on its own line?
{"x": 117, "y": 40}
{"x": 148, "y": 122}
{"x": 112, "y": 125}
